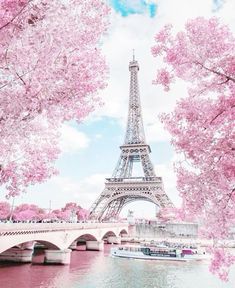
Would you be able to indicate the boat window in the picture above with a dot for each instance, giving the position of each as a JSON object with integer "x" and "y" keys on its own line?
{"x": 146, "y": 251}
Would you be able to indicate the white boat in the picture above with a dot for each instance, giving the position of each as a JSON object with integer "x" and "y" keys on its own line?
{"x": 157, "y": 253}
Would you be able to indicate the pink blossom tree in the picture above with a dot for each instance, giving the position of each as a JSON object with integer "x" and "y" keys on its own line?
{"x": 51, "y": 68}
{"x": 71, "y": 210}
{"x": 71, "y": 206}
{"x": 83, "y": 214}
{"x": 59, "y": 214}
{"x": 66, "y": 213}
{"x": 74, "y": 209}
{"x": 29, "y": 159}
{"x": 26, "y": 212}
{"x": 202, "y": 124}
{"x": 5, "y": 210}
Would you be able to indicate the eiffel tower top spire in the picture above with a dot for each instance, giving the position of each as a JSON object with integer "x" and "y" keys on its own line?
{"x": 135, "y": 129}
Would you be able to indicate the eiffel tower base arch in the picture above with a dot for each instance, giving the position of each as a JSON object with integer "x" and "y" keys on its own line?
{"x": 120, "y": 192}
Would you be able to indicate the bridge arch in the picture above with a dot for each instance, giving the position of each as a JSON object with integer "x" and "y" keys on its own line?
{"x": 30, "y": 245}
{"x": 107, "y": 234}
{"x": 19, "y": 239}
{"x": 127, "y": 199}
{"x": 83, "y": 237}
{"x": 48, "y": 245}
{"x": 123, "y": 232}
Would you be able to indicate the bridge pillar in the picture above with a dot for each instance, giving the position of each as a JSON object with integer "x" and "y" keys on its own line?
{"x": 57, "y": 256}
{"x": 16, "y": 254}
{"x": 95, "y": 245}
{"x": 113, "y": 240}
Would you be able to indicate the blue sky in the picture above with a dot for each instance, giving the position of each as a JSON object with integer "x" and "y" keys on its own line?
{"x": 104, "y": 151}
{"x": 91, "y": 149}
{"x": 126, "y": 8}
{"x": 217, "y": 4}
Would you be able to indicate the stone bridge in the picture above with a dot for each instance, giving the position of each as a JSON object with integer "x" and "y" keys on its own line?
{"x": 17, "y": 240}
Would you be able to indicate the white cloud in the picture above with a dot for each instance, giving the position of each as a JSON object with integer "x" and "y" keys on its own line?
{"x": 89, "y": 189}
{"x": 60, "y": 190}
{"x": 83, "y": 191}
{"x": 72, "y": 140}
{"x": 227, "y": 13}
{"x": 98, "y": 136}
{"x": 166, "y": 171}
{"x": 178, "y": 12}
{"x": 155, "y": 132}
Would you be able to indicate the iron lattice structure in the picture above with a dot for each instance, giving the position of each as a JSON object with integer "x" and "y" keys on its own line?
{"x": 123, "y": 188}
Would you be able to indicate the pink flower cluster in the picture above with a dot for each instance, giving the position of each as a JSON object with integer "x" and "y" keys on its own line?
{"x": 221, "y": 262}
{"x": 164, "y": 78}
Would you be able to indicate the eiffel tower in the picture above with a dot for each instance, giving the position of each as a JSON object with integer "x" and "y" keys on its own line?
{"x": 123, "y": 188}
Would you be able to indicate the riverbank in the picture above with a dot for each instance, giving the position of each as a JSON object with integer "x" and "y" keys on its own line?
{"x": 182, "y": 241}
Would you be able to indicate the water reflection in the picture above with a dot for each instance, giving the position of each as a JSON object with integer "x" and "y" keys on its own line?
{"x": 89, "y": 269}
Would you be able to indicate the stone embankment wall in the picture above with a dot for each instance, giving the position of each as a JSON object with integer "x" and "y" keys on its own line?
{"x": 156, "y": 230}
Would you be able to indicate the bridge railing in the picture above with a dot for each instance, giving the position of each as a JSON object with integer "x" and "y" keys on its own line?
{"x": 6, "y": 227}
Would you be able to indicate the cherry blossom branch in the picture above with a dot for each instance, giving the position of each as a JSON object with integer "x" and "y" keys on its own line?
{"x": 18, "y": 77}
{"x": 17, "y": 14}
{"x": 215, "y": 72}
{"x": 219, "y": 114}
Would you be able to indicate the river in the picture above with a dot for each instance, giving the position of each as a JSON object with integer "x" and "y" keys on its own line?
{"x": 90, "y": 269}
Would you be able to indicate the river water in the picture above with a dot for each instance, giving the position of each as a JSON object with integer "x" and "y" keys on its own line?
{"x": 90, "y": 269}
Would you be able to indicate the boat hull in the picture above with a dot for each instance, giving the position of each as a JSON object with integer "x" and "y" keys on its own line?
{"x": 138, "y": 255}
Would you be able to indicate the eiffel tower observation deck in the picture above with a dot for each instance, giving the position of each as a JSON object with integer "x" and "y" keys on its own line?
{"x": 123, "y": 187}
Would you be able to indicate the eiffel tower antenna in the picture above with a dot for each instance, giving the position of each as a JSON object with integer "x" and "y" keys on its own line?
{"x": 133, "y": 54}
{"x": 123, "y": 187}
